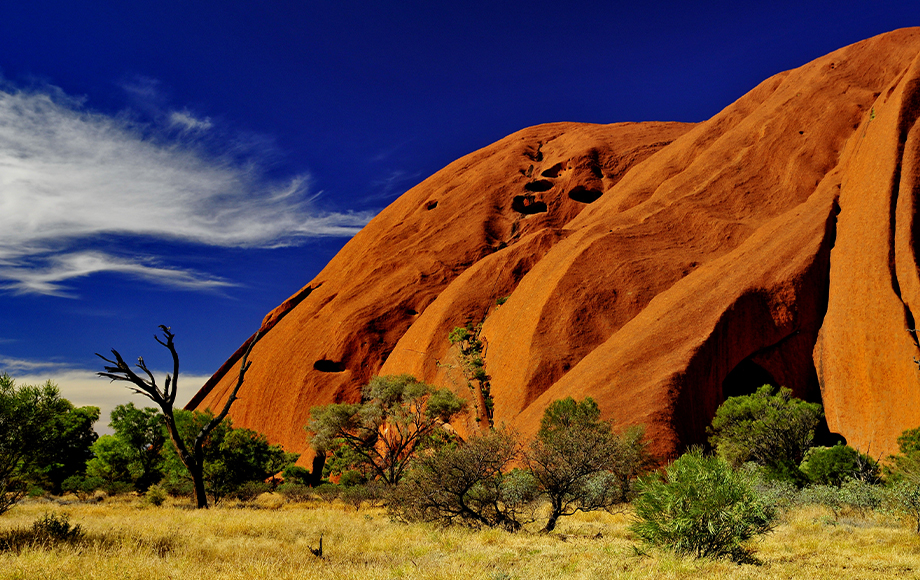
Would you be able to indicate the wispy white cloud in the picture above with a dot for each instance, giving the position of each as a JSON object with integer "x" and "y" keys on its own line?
{"x": 69, "y": 175}
{"x": 83, "y": 387}
{"x": 48, "y": 278}
{"x": 188, "y": 122}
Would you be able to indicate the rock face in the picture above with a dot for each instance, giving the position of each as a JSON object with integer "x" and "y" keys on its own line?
{"x": 657, "y": 267}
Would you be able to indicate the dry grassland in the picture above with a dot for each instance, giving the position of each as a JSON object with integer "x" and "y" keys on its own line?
{"x": 126, "y": 539}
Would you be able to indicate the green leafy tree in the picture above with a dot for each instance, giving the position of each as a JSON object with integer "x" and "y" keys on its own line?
{"x": 44, "y": 439}
{"x": 189, "y": 451}
{"x": 132, "y": 453}
{"x": 70, "y": 437}
{"x": 701, "y": 507}
{"x": 111, "y": 460}
{"x": 772, "y": 430}
{"x": 400, "y": 416}
{"x": 232, "y": 456}
{"x": 579, "y": 463}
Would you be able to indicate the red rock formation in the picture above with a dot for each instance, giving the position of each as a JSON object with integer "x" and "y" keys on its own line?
{"x": 657, "y": 267}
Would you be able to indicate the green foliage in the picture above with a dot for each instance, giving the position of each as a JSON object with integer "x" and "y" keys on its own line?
{"x": 156, "y": 495}
{"x": 295, "y": 491}
{"x": 469, "y": 484}
{"x": 231, "y": 456}
{"x": 44, "y": 439}
{"x": 577, "y": 461}
{"x": 400, "y": 416}
{"x": 773, "y": 430}
{"x": 250, "y": 490}
{"x": 909, "y": 441}
{"x": 473, "y": 364}
{"x": 903, "y": 497}
{"x": 47, "y": 531}
{"x": 702, "y": 508}
{"x": 564, "y": 414}
{"x": 853, "y": 495}
{"x": 327, "y": 492}
{"x": 906, "y": 465}
{"x": 296, "y": 474}
{"x": 835, "y": 465}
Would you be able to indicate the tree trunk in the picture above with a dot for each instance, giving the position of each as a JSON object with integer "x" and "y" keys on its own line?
{"x": 316, "y": 475}
{"x": 198, "y": 479}
{"x": 553, "y": 516}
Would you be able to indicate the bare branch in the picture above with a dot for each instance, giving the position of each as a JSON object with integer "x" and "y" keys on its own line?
{"x": 244, "y": 366}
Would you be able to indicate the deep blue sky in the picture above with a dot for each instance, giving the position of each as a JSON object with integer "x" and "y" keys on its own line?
{"x": 195, "y": 163}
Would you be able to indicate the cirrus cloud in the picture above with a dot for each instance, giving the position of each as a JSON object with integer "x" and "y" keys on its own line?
{"x": 69, "y": 175}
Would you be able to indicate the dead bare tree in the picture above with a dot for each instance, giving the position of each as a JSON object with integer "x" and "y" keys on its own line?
{"x": 165, "y": 398}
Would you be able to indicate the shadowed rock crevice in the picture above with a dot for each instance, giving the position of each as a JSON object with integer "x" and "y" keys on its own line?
{"x": 745, "y": 379}
{"x": 527, "y": 205}
{"x": 328, "y": 366}
{"x": 539, "y": 185}
{"x": 582, "y": 194}
{"x": 555, "y": 170}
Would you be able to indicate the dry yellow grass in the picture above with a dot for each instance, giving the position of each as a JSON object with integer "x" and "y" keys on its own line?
{"x": 127, "y": 539}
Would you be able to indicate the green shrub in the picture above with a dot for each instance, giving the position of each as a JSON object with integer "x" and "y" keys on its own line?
{"x": 251, "y": 490}
{"x": 56, "y": 528}
{"x": 835, "y": 465}
{"x": 773, "y": 430}
{"x": 904, "y": 498}
{"x": 781, "y": 495}
{"x": 468, "y": 484}
{"x": 855, "y": 495}
{"x": 327, "y": 492}
{"x": 46, "y": 531}
{"x": 296, "y": 474}
{"x": 702, "y": 508}
{"x": 296, "y": 492}
{"x": 156, "y": 495}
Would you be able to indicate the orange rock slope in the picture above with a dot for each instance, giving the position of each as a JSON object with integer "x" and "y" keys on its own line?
{"x": 657, "y": 267}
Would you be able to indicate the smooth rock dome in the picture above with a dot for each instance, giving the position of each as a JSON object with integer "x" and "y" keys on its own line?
{"x": 656, "y": 267}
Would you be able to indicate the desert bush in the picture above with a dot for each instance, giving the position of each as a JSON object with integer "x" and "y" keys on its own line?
{"x": 903, "y": 497}
{"x": 780, "y": 495}
{"x": 468, "y": 484}
{"x": 379, "y": 437}
{"x": 251, "y": 490}
{"x": 327, "y": 492}
{"x": 579, "y": 463}
{"x": 296, "y": 492}
{"x": 772, "y": 430}
{"x": 296, "y": 474}
{"x": 700, "y": 507}
{"x": 81, "y": 486}
{"x": 837, "y": 464}
{"x": 155, "y": 495}
{"x": 853, "y": 495}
